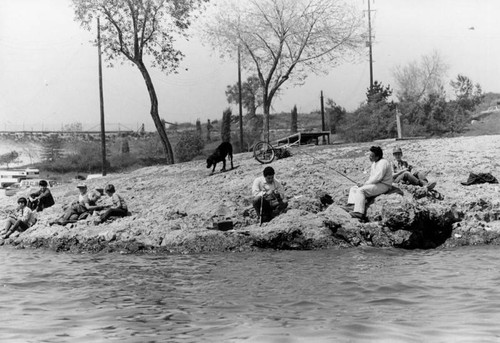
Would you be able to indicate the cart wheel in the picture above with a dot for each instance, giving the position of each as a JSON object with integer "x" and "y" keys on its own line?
{"x": 263, "y": 152}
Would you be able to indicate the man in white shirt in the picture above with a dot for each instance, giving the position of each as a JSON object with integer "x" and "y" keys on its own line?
{"x": 269, "y": 196}
{"x": 379, "y": 182}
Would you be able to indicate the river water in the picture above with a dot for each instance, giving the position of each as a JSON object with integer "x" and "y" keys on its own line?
{"x": 351, "y": 295}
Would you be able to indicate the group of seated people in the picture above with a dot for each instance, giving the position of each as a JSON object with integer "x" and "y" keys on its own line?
{"x": 382, "y": 176}
{"x": 270, "y": 199}
{"x": 25, "y": 214}
{"x": 87, "y": 204}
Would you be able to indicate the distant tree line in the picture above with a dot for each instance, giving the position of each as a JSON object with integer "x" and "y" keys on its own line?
{"x": 421, "y": 100}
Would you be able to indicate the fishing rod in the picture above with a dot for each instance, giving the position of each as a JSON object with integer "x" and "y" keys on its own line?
{"x": 342, "y": 174}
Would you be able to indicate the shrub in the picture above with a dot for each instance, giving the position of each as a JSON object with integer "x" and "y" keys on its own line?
{"x": 375, "y": 120}
{"x": 86, "y": 157}
{"x": 334, "y": 114}
{"x": 190, "y": 145}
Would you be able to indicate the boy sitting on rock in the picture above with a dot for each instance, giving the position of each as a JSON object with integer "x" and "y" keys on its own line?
{"x": 118, "y": 209}
{"x": 21, "y": 220}
{"x": 269, "y": 196}
{"x": 42, "y": 198}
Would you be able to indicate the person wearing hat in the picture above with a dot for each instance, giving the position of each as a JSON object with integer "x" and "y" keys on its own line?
{"x": 405, "y": 173}
{"x": 21, "y": 220}
{"x": 85, "y": 205}
{"x": 269, "y": 196}
{"x": 42, "y": 198}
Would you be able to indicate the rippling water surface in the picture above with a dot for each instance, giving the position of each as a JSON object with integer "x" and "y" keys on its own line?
{"x": 355, "y": 295}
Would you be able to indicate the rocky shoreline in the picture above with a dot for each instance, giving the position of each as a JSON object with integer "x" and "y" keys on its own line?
{"x": 175, "y": 207}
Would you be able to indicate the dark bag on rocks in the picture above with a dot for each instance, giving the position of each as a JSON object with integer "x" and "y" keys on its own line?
{"x": 273, "y": 200}
{"x": 479, "y": 178}
{"x": 326, "y": 199}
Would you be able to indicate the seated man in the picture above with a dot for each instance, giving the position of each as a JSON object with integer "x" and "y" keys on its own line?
{"x": 80, "y": 209}
{"x": 269, "y": 196}
{"x": 379, "y": 182}
{"x": 42, "y": 198}
{"x": 403, "y": 172}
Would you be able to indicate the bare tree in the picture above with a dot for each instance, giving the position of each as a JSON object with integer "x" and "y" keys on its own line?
{"x": 285, "y": 40}
{"x": 135, "y": 28}
{"x": 418, "y": 79}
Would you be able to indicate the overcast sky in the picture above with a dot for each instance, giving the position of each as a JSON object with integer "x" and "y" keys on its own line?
{"x": 49, "y": 78}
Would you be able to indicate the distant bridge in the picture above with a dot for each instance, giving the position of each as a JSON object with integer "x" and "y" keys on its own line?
{"x": 95, "y": 134}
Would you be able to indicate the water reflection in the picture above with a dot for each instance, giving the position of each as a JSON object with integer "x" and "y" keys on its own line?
{"x": 359, "y": 295}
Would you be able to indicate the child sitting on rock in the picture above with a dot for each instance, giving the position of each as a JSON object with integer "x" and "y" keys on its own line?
{"x": 21, "y": 220}
{"x": 117, "y": 209}
{"x": 42, "y": 198}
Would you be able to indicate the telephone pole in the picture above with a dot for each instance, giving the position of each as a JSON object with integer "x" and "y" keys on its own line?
{"x": 322, "y": 115}
{"x": 240, "y": 100}
{"x": 370, "y": 43}
{"x": 101, "y": 101}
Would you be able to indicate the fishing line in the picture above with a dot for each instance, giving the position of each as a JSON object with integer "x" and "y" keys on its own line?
{"x": 342, "y": 174}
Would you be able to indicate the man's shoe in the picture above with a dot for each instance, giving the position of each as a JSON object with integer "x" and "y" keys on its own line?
{"x": 430, "y": 186}
{"x": 357, "y": 215}
{"x": 347, "y": 208}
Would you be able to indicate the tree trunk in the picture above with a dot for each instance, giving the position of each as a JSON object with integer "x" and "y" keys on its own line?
{"x": 160, "y": 127}
{"x": 265, "y": 133}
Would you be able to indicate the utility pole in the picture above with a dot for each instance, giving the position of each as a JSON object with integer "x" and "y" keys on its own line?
{"x": 370, "y": 44}
{"x": 323, "y": 116}
{"x": 398, "y": 123}
{"x": 239, "y": 100}
{"x": 101, "y": 100}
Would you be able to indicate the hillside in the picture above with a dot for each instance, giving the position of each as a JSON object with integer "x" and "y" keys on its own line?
{"x": 173, "y": 207}
{"x": 489, "y": 125}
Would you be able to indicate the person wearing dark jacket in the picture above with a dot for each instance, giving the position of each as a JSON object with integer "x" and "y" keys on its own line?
{"x": 42, "y": 198}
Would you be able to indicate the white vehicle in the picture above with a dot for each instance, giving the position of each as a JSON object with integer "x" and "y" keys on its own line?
{"x": 10, "y": 176}
{"x": 28, "y": 185}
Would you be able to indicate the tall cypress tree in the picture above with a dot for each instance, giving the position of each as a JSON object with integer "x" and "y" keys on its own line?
{"x": 198, "y": 127}
{"x": 226, "y": 125}
{"x": 209, "y": 128}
